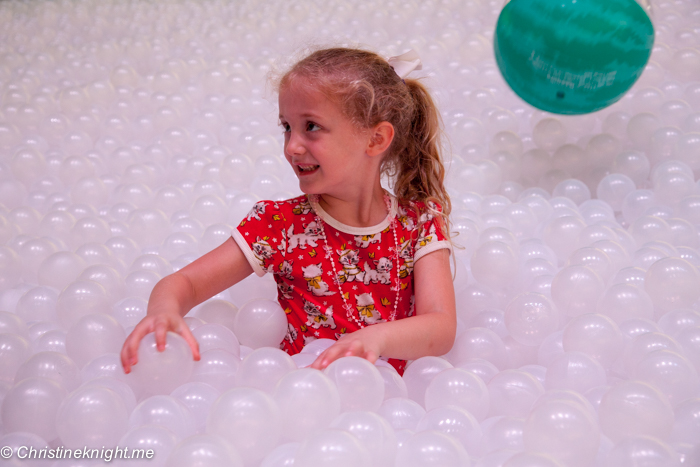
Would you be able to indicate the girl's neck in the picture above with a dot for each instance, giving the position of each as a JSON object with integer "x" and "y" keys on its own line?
{"x": 363, "y": 209}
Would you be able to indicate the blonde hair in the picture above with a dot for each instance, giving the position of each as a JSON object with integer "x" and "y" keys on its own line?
{"x": 368, "y": 92}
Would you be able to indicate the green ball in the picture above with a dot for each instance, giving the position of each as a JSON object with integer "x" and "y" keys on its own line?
{"x": 572, "y": 56}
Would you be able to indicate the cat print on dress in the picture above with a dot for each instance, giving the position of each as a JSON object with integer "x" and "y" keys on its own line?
{"x": 382, "y": 274}
{"x": 254, "y": 213}
{"x": 292, "y": 333}
{"x": 350, "y": 260}
{"x": 308, "y": 237}
{"x": 363, "y": 241}
{"x": 262, "y": 251}
{"x": 316, "y": 318}
{"x": 303, "y": 208}
{"x": 286, "y": 290}
{"x": 285, "y": 269}
{"x": 406, "y": 252}
{"x": 313, "y": 274}
{"x": 428, "y": 237}
{"x": 366, "y": 310}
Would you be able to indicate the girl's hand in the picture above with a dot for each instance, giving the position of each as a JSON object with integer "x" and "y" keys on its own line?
{"x": 358, "y": 344}
{"x": 159, "y": 323}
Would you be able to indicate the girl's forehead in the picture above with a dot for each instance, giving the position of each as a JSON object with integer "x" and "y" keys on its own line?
{"x": 293, "y": 97}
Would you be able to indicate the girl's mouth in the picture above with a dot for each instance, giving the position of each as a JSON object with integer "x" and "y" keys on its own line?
{"x": 307, "y": 169}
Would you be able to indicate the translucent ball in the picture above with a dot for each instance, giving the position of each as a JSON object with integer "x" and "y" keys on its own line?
{"x": 420, "y": 373}
{"x": 623, "y": 301}
{"x": 670, "y": 372}
{"x": 502, "y": 434}
{"x": 642, "y": 450}
{"x": 432, "y": 448}
{"x": 249, "y": 420}
{"x": 160, "y": 372}
{"x": 672, "y": 283}
{"x": 455, "y": 422}
{"x": 401, "y": 413}
{"x": 31, "y": 405}
{"x": 575, "y": 190}
{"x": 118, "y": 386}
{"x": 216, "y": 367}
{"x": 513, "y": 393}
{"x": 632, "y": 408}
{"x": 477, "y": 343}
{"x": 562, "y": 234}
{"x": 282, "y": 455}
{"x": 372, "y": 431}
{"x": 494, "y": 264}
{"x": 158, "y": 439}
{"x": 531, "y": 459}
{"x": 332, "y": 448}
{"x": 92, "y": 416}
{"x": 614, "y": 188}
{"x": 458, "y": 387}
{"x": 576, "y": 371}
{"x": 92, "y": 336}
{"x": 394, "y": 385}
{"x": 164, "y": 411}
{"x": 530, "y": 318}
{"x": 198, "y": 398}
{"x": 14, "y": 351}
{"x": 216, "y": 336}
{"x": 576, "y": 290}
{"x": 206, "y": 449}
{"x": 308, "y": 401}
{"x": 595, "y": 335}
{"x": 549, "y": 134}
{"x": 261, "y": 323}
{"x": 264, "y": 367}
{"x": 650, "y": 228}
{"x": 564, "y": 430}
{"x": 359, "y": 383}
{"x": 52, "y": 365}
{"x": 78, "y": 299}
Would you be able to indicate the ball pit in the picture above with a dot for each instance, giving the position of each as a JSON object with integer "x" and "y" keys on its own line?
{"x": 135, "y": 135}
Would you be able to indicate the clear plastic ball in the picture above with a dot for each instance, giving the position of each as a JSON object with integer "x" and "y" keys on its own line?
{"x": 261, "y": 323}
{"x": 359, "y": 383}
{"x": 31, "y": 405}
{"x": 53, "y": 365}
{"x": 632, "y": 408}
{"x": 159, "y": 440}
{"x": 645, "y": 450}
{"x": 672, "y": 283}
{"x": 92, "y": 336}
{"x": 163, "y": 411}
{"x": 216, "y": 367}
{"x": 432, "y": 448}
{"x": 249, "y": 420}
{"x": 14, "y": 351}
{"x": 494, "y": 264}
{"x": 513, "y": 393}
{"x": 575, "y": 371}
{"x": 216, "y": 336}
{"x": 205, "y": 449}
{"x": 198, "y": 398}
{"x": 458, "y": 387}
{"x": 78, "y": 299}
{"x": 372, "y": 431}
{"x": 670, "y": 372}
{"x": 623, "y": 301}
{"x": 92, "y": 416}
{"x": 576, "y": 290}
{"x": 160, "y": 372}
{"x": 595, "y": 335}
{"x": 477, "y": 343}
{"x": 332, "y": 448}
{"x": 530, "y": 318}
{"x": 420, "y": 373}
{"x": 264, "y": 367}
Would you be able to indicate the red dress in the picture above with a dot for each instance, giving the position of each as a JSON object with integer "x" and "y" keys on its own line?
{"x": 284, "y": 238}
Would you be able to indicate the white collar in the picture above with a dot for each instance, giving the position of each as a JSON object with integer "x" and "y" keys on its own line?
{"x": 316, "y": 206}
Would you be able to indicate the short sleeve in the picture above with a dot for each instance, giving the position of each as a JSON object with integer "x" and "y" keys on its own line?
{"x": 260, "y": 236}
{"x": 430, "y": 234}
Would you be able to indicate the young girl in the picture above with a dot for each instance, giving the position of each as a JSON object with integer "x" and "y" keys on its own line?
{"x": 350, "y": 260}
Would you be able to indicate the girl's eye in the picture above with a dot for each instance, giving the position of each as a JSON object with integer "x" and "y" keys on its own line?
{"x": 311, "y": 126}
{"x": 285, "y": 127}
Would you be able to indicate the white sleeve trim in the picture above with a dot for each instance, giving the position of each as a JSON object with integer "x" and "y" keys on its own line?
{"x": 248, "y": 252}
{"x": 433, "y": 246}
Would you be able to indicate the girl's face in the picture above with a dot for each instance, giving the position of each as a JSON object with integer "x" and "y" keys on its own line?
{"x": 326, "y": 151}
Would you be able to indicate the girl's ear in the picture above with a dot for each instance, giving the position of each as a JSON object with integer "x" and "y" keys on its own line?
{"x": 380, "y": 139}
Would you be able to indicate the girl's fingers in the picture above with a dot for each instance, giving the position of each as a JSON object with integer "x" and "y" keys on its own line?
{"x": 189, "y": 338}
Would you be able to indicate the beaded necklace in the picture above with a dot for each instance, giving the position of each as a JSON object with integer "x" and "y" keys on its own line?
{"x": 329, "y": 256}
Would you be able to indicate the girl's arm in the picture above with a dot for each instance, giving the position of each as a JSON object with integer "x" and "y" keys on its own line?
{"x": 176, "y": 294}
{"x": 430, "y": 332}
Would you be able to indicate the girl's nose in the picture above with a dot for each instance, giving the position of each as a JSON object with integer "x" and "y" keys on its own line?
{"x": 294, "y": 145}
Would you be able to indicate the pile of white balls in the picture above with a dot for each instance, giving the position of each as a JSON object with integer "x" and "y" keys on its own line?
{"x": 134, "y": 135}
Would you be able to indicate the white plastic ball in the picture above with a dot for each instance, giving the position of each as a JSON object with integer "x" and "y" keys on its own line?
{"x": 55, "y": 366}
{"x": 672, "y": 283}
{"x": 513, "y": 393}
{"x": 575, "y": 371}
{"x": 216, "y": 336}
{"x": 432, "y": 448}
{"x": 158, "y": 439}
{"x": 31, "y": 405}
{"x": 261, "y": 323}
{"x": 458, "y": 387}
{"x": 160, "y": 372}
{"x": 216, "y": 367}
{"x": 249, "y": 420}
{"x": 201, "y": 450}
{"x": 264, "y": 367}
{"x": 93, "y": 417}
{"x": 530, "y": 318}
{"x": 632, "y": 408}
{"x": 372, "y": 431}
{"x": 576, "y": 290}
{"x": 359, "y": 383}
{"x": 595, "y": 335}
{"x": 92, "y": 336}
{"x": 164, "y": 411}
